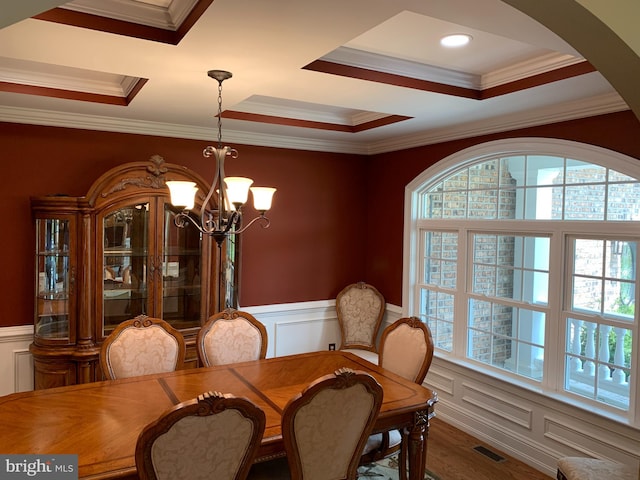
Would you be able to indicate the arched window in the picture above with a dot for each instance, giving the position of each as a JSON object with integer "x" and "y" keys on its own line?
{"x": 521, "y": 256}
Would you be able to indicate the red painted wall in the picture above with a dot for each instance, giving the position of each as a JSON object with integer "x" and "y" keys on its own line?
{"x": 311, "y": 250}
{"x": 388, "y": 174}
{"x": 337, "y": 218}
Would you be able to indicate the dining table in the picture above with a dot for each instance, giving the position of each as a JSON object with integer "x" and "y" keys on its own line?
{"x": 100, "y": 422}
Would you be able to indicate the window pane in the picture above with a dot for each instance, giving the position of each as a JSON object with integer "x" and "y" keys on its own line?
{"x": 623, "y": 201}
{"x": 620, "y": 177}
{"x": 508, "y": 338}
{"x": 484, "y": 176}
{"x": 586, "y": 295}
{"x": 499, "y": 271}
{"x": 584, "y": 202}
{"x": 512, "y": 171}
{"x": 440, "y": 262}
{"x": 604, "y": 279}
{"x": 507, "y": 204}
{"x": 584, "y": 172}
{"x": 540, "y": 203}
{"x": 544, "y": 170}
{"x": 454, "y": 205}
{"x": 618, "y": 299}
{"x": 597, "y": 362}
{"x": 484, "y": 280}
{"x": 437, "y": 311}
{"x": 457, "y": 181}
{"x": 588, "y": 257}
{"x": 432, "y": 205}
{"x": 483, "y": 204}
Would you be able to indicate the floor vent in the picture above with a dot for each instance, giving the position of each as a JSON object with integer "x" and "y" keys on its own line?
{"x": 488, "y": 453}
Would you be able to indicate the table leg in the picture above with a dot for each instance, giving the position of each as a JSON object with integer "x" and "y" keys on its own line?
{"x": 417, "y": 445}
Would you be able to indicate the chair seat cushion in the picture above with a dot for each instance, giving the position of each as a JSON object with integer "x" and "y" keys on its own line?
{"x": 374, "y": 442}
{"x": 579, "y": 468}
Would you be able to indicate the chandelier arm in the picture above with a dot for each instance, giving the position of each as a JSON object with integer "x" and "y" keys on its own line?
{"x": 181, "y": 219}
{"x": 208, "y": 152}
{"x": 262, "y": 217}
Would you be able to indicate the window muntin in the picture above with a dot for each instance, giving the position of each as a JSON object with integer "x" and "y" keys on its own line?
{"x": 535, "y": 191}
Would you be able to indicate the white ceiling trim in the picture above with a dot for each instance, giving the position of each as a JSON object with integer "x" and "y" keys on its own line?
{"x": 608, "y": 103}
{"x": 528, "y": 68}
{"x": 560, "y": 112}
{"x": 372, "y": 61}
{"x": 283, "y": 108}
{"x": 132, "y": 11}
{"x": 381, "y": 63}
{"x": 111, "y": 84}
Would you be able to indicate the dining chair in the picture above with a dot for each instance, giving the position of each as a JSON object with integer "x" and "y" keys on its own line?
{"x": 141, "y": 346}
{"x": 579, "y": 468}
{"x": 325, "y": 427}
{"x": 360, "y": 308}
{"x": 406, "y": 348}
{"x": 231, "y": 336}
{"x": 215, "y": 436}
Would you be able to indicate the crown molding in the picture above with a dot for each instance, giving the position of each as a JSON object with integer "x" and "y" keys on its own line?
{"x": 561, "y": 112}
{"x": 600, "y": 105}
{"x": 381, "y": 63}
{"x": 143, "y": 13}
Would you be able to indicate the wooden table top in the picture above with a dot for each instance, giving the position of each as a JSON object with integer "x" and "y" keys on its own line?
{"x": 101, "y": 421}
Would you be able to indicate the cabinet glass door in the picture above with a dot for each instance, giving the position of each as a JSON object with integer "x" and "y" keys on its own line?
{"x": 54, "y": 278}
{"x": 182, "y": 264}
{"x": 125, "y": 256}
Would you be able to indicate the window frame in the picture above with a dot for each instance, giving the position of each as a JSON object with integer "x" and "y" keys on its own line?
{"x": 552, "y": 383}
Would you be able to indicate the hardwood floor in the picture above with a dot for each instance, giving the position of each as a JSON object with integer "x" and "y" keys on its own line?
{"x": 451, "y": 455}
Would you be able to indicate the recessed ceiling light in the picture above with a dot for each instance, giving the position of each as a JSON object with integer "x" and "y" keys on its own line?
{"x": 456, "y": 40}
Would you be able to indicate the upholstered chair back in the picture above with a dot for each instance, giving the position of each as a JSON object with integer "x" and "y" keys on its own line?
{"x": 215, "y": 436}
{"x": 587, "y": 468}
{"x": 360, "y": 308}
{"x": 142, "y": 346}
{"x": 231, "y": 336}
{"x": 406, "y": 348}
{"x": 326, "y": 427}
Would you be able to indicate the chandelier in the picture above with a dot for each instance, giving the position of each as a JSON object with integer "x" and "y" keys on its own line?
{"x": 231, "y": 193}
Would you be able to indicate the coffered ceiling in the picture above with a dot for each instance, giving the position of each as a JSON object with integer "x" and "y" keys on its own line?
{"x": 363, "y": 76}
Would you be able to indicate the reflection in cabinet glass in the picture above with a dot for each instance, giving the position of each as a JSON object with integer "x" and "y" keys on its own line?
{"x": 181, "y": 276}
{"x": 114, "y": 254}
{"x": 54, "y": 278}
{"x": 125, "y": 254}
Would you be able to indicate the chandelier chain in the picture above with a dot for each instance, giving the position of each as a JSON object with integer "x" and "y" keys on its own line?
{"x": 219, "y": 114}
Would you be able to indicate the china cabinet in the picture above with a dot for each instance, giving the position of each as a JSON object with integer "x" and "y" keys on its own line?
{"x": 114, "y": 254}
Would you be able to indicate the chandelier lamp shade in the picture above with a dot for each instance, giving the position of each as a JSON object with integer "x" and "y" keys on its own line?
{"x": 230, "y": 193}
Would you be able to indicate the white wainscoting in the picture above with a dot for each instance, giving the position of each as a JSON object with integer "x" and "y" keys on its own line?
{"x": 524, "y": 424}
{"x": 16, "y": 363}
{"x": 531, "y": 427}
